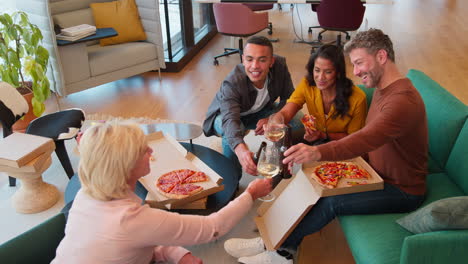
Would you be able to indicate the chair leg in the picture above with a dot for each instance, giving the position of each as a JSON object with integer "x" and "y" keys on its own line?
{"x": 63, "y": 157}
{"x": 241, "y": 48}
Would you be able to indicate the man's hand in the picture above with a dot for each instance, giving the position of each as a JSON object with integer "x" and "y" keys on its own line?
{"x": 190, "y": 259}
{"x": 260, "y": 125}
{"x": 312, "y": 135}
{"x": 245, "y": 157}
{"x": 301, "y": 153}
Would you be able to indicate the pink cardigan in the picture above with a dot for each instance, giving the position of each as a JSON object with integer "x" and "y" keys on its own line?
{"x": 124, "y": 231}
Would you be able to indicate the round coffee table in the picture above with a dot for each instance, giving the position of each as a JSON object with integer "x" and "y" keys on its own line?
{"x": 219, "y": 163}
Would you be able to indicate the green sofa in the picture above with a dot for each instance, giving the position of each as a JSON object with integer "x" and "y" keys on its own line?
{"x": 378, "y": 238}
{"x": 37, "y": 245}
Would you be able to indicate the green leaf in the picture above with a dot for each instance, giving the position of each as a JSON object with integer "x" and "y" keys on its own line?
{"x": 13, "y": 59}
{"x": 42, "y": 56}
{"x": 14, "y": 79}
{"x": 38, "y": 107}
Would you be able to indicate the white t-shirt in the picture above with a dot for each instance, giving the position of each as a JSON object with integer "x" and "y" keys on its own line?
{"x": 262, "y": 99}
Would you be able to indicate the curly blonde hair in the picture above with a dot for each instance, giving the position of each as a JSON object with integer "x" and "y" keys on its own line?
{"x": 372, "y": 40}
{"x": 108, "y": 153}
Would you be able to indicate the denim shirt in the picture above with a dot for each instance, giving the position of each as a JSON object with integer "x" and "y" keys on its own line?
{"x": 237, "y": 94}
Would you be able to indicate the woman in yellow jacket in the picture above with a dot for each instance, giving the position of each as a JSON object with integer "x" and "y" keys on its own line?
{"x": 339, "y": 107}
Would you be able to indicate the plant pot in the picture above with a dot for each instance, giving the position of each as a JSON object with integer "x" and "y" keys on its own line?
{"x": 23, "y": 123}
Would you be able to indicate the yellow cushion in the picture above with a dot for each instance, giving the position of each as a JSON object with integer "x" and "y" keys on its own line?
{"x": 121, "y": 15}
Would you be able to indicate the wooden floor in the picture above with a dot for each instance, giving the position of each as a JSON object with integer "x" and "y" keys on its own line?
{"x": 429, "y": 35}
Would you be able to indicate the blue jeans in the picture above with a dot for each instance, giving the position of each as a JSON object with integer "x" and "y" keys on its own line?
{"x": 389, "y": 200}
{"x": 250, "y": 122}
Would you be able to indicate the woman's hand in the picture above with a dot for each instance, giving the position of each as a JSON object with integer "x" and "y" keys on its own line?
{"x": 260, "y": 128}
{"x": 301, "y": 153}
{"x": 312, "y": 135}
{"x": 190, "y": 259}
{"x": 259, "y": 188}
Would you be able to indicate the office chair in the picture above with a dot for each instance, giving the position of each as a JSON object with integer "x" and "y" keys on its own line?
{"x": 262, "y": 7}
{"x": 237, "y": 20}
{"x": 338, "y": 15}
{"x": 59, "y": 126}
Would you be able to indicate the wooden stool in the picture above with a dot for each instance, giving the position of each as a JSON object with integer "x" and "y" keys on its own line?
{"x": 26, "y": 157}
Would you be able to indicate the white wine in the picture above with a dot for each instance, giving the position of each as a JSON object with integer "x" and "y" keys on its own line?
{"x": 268, "y": 170}
{"x": 274, "y": 135}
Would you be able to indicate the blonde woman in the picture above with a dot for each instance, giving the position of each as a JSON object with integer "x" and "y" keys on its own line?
{"x": 108, "y": 224}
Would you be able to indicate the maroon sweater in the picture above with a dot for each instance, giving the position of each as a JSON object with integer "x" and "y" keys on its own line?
{"x": 395, "y": 137}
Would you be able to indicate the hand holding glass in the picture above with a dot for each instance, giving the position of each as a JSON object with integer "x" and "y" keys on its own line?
{"x": 269, "y": 165}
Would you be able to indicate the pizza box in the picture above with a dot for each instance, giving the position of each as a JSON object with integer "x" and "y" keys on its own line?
{"x": 170, "y": 155}
{"x": 34, "y": 165}
{"x": 374, "y": 183}
{"x": 18, "y": 149}
{"x": 296, "y": 196}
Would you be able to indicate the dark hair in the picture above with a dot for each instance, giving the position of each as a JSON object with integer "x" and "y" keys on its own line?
{"x": 372, "y": 40}
{"x": 260, "y": 40}
{"x": 344, "y": 86}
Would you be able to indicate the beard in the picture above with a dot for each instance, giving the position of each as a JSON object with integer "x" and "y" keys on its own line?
{"x": 373, "y": 77}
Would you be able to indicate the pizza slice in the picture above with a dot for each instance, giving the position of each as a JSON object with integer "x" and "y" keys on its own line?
{"x": 184, "y": 174}
{"x": 183, "y": 190}
{"x": 198, "y": 176}
{"x": 354, "y": 171}
{"x": 309, "y": 122}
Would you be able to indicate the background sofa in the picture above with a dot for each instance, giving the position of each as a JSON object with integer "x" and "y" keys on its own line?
{"x": 378, "y": 238}
{"x": 76, "y": 67}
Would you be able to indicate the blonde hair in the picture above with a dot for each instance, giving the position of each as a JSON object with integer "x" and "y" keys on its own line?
{"x": 108, "y": 154}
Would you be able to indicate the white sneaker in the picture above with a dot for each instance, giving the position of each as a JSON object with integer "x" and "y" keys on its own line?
{"x": 266, "y": 257}
{"x": 239, "y": 247}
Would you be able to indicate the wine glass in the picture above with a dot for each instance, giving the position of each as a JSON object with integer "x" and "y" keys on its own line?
{"x": 269, "y": 165}
{"x": 275, "y": 128}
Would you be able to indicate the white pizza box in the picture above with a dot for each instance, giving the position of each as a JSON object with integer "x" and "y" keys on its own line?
{"x": 170, "y": 155}
{"x": 296, "y": 196}
{"x": 18, "y": 149}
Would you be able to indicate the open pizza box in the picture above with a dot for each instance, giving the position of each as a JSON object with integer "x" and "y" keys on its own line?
{"x": 295, "y": 197}
{"x": 170, "y": 155}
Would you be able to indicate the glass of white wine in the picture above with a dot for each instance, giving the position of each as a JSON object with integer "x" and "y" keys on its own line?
{"x": 269, "y": 165}
{"x": 275, "y": 128}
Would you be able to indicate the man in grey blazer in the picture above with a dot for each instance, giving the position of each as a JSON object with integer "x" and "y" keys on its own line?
{"x": 247, "y": 98}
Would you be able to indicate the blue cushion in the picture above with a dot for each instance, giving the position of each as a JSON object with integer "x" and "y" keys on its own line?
{"x": 441, "y": 108}
{"x": 444, "y": 214}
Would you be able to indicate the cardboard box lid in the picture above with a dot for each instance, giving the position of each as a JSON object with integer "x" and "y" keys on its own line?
{"x": 170, "y": 155}
{"x": 277, "y": 219}
{"x": 18, "y": 149}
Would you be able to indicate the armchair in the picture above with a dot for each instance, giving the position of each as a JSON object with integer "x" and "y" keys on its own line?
{"x": 77, "y": 67}
{"x": 58, "y": 126}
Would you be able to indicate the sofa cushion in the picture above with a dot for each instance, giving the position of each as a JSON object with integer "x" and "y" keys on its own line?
{"x": 457, "y": 164}
{"x": 444, "y": 214}
{"x": 115, "y": 57}
{"x": 374, "y": 238}
{"x": 452, "y": 115}
{"x": 369, "y": 93}
{"x": 121, "y": 15}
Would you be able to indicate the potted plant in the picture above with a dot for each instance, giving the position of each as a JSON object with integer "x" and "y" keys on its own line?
{"x": 23, "y": 60}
